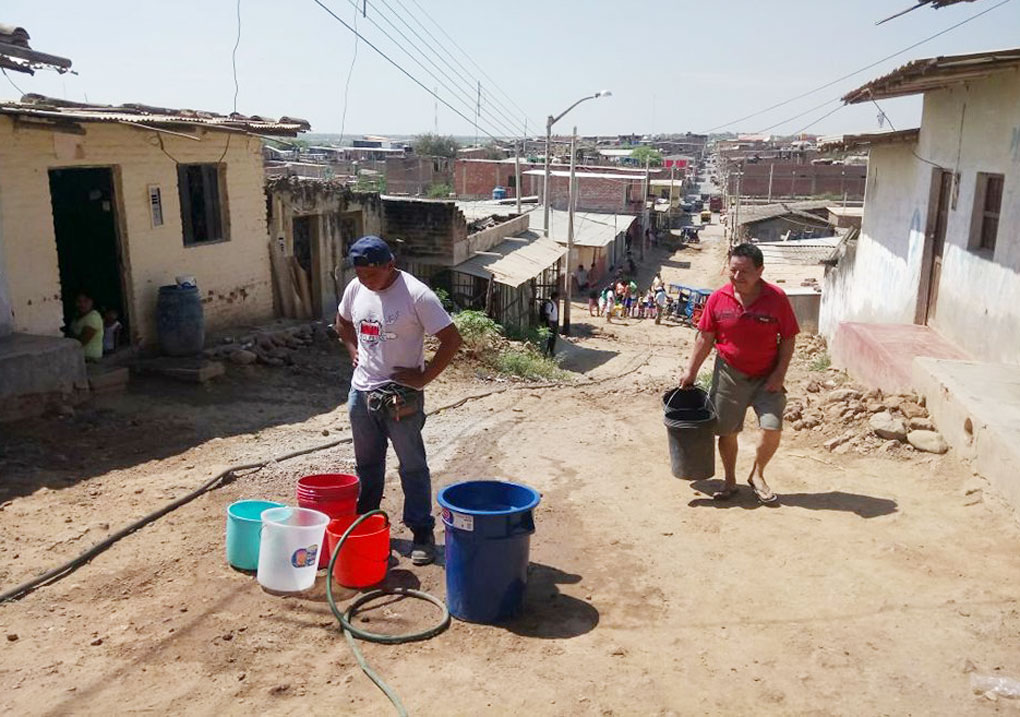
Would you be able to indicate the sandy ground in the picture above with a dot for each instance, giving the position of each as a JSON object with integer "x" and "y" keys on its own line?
{"x": 872, "y": 588}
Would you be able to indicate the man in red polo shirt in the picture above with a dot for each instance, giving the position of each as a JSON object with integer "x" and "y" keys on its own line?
{"x": 753, "y": 328}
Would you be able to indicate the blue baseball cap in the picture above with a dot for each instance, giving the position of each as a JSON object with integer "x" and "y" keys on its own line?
{"x": 369, "y": 251}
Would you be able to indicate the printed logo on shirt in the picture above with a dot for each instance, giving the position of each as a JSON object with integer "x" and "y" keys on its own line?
{"x": 371, "y": 333}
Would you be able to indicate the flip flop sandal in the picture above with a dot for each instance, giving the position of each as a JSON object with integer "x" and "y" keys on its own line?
{"x": 724, "y": 494}
{"x": 762, "y": 498}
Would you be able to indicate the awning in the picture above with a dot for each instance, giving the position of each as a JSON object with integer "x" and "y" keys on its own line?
{"x": 514, "y": 260}
{"x": 590, "y": 229}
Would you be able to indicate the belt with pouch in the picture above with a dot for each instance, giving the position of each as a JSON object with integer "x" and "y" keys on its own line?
{"x": 395, "y": 401}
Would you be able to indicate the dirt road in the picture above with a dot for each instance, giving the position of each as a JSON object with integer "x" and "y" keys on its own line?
{"x": 870, "y": 590}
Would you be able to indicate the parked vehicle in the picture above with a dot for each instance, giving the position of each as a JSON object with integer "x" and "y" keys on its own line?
{"x": 715, "y": 203}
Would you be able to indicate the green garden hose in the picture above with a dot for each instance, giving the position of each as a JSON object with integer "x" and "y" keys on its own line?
{"x": 351, "y": 632}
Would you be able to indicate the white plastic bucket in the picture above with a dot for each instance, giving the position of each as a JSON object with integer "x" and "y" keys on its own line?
{"x": 289, "y": 548}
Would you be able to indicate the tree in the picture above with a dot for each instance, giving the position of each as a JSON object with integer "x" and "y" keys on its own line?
{"x": 439, "y": 191}
{"x": 435, "y": 145}
{"x": 645, "y": 153}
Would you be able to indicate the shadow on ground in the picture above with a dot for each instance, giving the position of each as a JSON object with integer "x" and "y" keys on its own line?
{"x": 582, "y": 359}
{"x": 157, "y": 418}
{"x": 548, "y": 613}
{"x": 865, "y": 506}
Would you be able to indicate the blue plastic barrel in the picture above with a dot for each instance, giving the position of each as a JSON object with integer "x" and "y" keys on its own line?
{"x": 499, "y": 193}
{"x": 488, "y": 534}
{"x": 180, "y": 324}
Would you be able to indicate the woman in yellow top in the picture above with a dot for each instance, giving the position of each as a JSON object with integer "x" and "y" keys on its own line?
{"x": 88, "y": 327}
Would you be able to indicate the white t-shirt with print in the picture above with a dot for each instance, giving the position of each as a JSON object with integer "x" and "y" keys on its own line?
{"x": 391, "y": 327}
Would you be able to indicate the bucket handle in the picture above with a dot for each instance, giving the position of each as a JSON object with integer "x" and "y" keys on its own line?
{"x": 708, "y": 396}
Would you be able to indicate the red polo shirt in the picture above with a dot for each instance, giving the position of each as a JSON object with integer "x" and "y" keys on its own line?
{"x": 748, "y": 339}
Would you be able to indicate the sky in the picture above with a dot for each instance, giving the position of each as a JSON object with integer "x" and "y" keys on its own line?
{"x": 671, "y": 66}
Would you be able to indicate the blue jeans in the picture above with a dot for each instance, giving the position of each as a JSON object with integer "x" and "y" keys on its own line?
{"x": 370, "y": 432}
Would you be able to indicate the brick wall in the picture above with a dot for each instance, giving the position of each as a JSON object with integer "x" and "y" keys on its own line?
{"x": 415, "y": 175}
{"x": 423, "y": 231}
{"x": 594, "y": 194}
{"x": 233, "y": 276}
{"x": 800, "y": 180}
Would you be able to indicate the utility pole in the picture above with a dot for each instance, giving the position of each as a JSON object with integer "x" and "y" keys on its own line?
{"x": 736, "y": 214}
{"x": 478, "y": 110}
{"x": 545, "y": 183}
{"x": 517, "y": 175}
{"x": 569, "y": 279}
{"x": 644, "y": 205}
{"x": 672, "y": 176}
{"x": 771, "y": 169}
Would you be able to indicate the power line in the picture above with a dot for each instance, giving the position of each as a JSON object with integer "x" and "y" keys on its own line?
{"x": 347, "y": 85}
{"x": 455, "y": 92}
{"x": 472, "y": 78}
{"x": 470, "y": 82}
{"x": 4, "y": 70}
{"x": 469, "y": 58}
{"x": 859, "y": 71}
{"x": 233, "y": 55}
{"x": 397, "y": 65}
{"x": 799, "y": 115}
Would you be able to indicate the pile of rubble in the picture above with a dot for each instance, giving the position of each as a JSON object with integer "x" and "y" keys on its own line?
{"x": 271, "y": 347}
{"x": 864, "y": 421}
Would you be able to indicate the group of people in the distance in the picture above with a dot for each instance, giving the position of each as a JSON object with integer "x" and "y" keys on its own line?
{"x": 621, "y": 296}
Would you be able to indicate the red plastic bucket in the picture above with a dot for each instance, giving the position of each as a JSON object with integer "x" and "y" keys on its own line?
{"x": 335, "y": 494}
{"x": 366, "y": 554}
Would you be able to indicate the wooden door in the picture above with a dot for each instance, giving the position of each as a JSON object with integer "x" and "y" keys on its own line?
{"x": 942, "y": 190}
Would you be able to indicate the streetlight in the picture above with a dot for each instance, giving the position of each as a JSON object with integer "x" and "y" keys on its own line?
{"x": 550, "y": 121}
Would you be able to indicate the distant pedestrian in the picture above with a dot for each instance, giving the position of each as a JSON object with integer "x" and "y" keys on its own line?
{"x": 382, "y": 320}
{"x": 550, "y": 314}
{"x": 753, "y": 328}
{"x": 581, "y": 277}
{"x": 660, "y": 304}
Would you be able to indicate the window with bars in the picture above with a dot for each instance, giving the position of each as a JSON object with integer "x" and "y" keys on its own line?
{"x": 987, "y": 206}
{"x": 202, "y": 215}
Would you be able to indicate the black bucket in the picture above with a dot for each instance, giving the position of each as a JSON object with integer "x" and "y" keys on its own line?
{"x": 690, "y": 428}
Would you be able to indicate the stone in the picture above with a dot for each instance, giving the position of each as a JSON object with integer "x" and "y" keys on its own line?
{"x": 842, "y": 394}
{"x": 243, "y": 357}
{"x": 813, "y": 387}
{"x": 912, "y": 410}
{"x": 886, "y": 426}
{"x": 833, "y": 443}
{"x": 12, "y": 637}
{"x": 920, "y": 424}
{"x": 928, "y": 441}
{"x": 889, "y": 446}
{"x": 874, "y": 407}
{"x": 792, "y": 414}
{"x": 97, "y": 642}
{"x": 892, "y": 402}
{"x": 798, "y": 425}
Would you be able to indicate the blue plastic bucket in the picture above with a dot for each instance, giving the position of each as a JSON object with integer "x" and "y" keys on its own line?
{"x": 488, "y": 534}
{"x": 244, "y": 528}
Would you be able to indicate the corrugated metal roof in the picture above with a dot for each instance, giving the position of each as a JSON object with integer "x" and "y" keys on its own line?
{"x": 749, "y": 214}
{"x": 590, "y": 229}
{"x": 515, "y": 260}
{"x": 37, "y": 106}
{"x": 807, "y": 252}
{"x": 934, "y": 73}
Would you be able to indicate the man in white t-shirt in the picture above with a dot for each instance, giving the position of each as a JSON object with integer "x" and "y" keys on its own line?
{"x": 382, "y": 320}
{"x": 550, "y": 313}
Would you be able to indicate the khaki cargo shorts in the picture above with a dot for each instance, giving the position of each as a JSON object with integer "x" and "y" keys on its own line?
{"x": 734, "y": 392}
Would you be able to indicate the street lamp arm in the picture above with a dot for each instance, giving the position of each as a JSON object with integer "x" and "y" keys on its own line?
{"x": 557, "y": 118}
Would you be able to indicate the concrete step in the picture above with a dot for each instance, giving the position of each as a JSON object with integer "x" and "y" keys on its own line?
{"x": 882, "y": 355}
{"x": 976, "y": 407}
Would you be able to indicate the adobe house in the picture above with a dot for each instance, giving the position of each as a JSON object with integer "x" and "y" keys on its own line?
{"x": 119, "y": 201}
{"x": 929, "y": 296}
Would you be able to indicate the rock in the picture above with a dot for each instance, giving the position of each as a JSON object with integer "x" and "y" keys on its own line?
{"x": 889, "y": 446}
{"x": 842, "y": 394}
{"x": 12, "y": 637}
{"x": 874, "y": 394}
{"x": 892, "y": 402}
{"x": 920, "y": 424}
{"x": 279, "y": 689}
{"x": 792, "y": 414}
{"x": 97, "y": 642}
{"x": 798, "y": 425}
{"x": 833, "y": 443}
{"x": 874, "y": 406}
{"x": 885, "y": 426}
{"x": 912, "y": 410}
{"x": 813, "y": 387}
{"x": 928, "y": 441}
{"x": 243, "y": 358}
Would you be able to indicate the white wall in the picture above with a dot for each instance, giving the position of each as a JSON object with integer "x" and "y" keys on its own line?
{"x": 233, "y": 276}
{"x": 968, "y": 128}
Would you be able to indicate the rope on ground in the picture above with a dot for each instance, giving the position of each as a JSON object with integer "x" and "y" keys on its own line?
{"x": 227, "y": 476}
